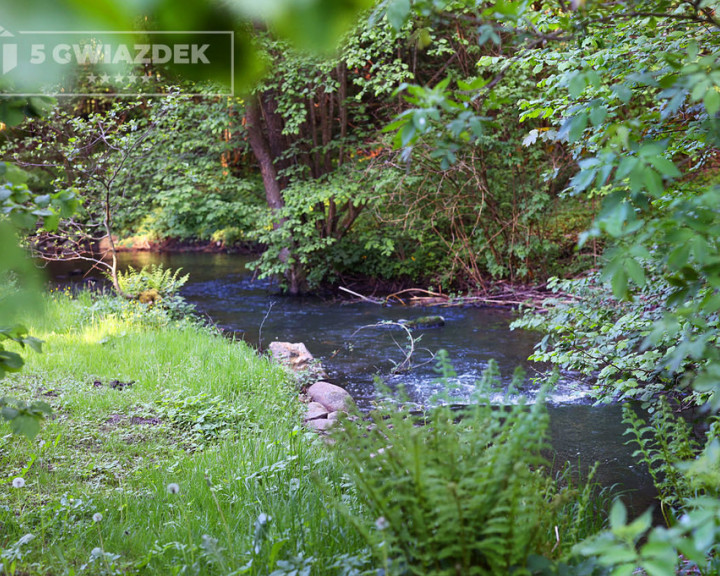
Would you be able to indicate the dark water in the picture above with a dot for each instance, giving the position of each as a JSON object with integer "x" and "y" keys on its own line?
{"x": 355, "y": 352}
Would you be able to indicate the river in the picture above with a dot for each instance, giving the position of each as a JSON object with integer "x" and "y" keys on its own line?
{"x": 357, "y": 354}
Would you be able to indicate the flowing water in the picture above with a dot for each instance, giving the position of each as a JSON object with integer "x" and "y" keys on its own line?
{"x": 357, "y": 351}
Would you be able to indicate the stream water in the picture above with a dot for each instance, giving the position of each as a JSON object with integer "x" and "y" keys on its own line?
{"x": 355, "y": 351}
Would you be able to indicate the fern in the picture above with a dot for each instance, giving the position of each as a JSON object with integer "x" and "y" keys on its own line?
{"x": 663, "y": 443}
{"x": 154, "y": 277}
{"x": 460, "y": 492}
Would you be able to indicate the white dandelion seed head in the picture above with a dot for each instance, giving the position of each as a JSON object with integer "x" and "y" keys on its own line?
{"x": 173, "y": 488}
{"x": 97, "y": 517}
{"x": 18, "y": 482}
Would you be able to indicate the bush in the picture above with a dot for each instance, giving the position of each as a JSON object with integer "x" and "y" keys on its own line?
{"x": 631, "y": 348}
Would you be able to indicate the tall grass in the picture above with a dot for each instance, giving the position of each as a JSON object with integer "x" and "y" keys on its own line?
{"x": 206, "y": 416}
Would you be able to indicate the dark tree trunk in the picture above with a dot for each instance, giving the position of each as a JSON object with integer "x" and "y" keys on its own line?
{"x": 260, "y": 143}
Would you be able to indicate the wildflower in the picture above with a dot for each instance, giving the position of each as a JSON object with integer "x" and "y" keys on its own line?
{"x": 382, "y": 523}
{"x": 18, "y": 482}
{"x": 97, "y": 517}
{"x": 173, "y": 488}
{"x": 96, "y": 552}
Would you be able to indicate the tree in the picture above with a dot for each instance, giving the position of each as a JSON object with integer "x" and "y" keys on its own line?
{"x": 87, "y": 157}
{"x": 303, "y": 124}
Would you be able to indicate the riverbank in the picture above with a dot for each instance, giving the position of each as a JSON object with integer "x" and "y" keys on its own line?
{"x": 171, "y": 450}
{"x": 385, "y": 291}
{"x": 145, "y": 243}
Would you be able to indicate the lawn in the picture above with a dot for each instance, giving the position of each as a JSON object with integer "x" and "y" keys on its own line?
{"x": 171, "y": 450}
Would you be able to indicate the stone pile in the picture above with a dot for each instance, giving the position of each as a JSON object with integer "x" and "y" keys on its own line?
{"x": 325, "y": 401}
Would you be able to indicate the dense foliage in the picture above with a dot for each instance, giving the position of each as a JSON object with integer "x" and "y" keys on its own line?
{"x": 302, "y": 168}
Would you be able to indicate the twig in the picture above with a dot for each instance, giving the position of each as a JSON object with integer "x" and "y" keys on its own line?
{"x": 270, "y": 307}
{"x": 405, "y": 364}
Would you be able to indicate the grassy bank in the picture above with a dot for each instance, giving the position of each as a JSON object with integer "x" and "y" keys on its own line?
{"x": 172, "y": 450}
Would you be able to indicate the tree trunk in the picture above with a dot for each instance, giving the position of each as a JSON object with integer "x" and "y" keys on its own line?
{"x": 261, "y": 148}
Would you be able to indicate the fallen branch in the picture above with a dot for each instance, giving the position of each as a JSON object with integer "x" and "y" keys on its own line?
{"x": 405, "y": 365}
{"x": 364, "y": 298}
{"x": 507, "y": 296}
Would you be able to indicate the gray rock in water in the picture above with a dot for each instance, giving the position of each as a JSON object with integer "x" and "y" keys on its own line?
{"x": 315, "y": 410}
{"x": 332, "y": 397}
{"x": 424, "y": 322}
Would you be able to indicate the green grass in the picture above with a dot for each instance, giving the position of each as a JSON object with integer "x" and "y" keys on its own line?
{"x": 205, "y": 413}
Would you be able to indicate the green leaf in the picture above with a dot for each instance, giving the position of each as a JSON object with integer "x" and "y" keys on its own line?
{"x": 626, "y": 166}
{"x": 623, "y": 92}
{"x": 712, "y": 101}
{"x": 582, "y": 180}
{"x": 11, "y": 361}
{"x": 665, "y": 166}
{"x": 623, "y": 570}
{"x": 34, "y": 343}
{"x": 679, "y": 256}
{"x": 618, "y": 515}
{"x": 397, "y": 13}
{"x": 25, "y": 425}
{"x": 619, "y": 284}
{"x": 577, "y": 127}
{"x": 597, "y": 115}
{"x": 577, "y": 85}
{"x": 635, "y": 271}
{"x": 653, "y": 182}
{"x": 407, "y": 134}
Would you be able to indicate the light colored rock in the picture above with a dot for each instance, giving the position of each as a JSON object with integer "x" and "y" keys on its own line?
{"x": 332, "y": 397}
{"x": 297, "y": 358}
{"x": 320, "y": 424}
{"x": 315, "y": 410}
{"x": 333, "y": 416}
{"x": 293, "y": 355}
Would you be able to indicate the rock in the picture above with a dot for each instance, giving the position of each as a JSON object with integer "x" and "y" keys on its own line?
{"x": 424, "y": 322}
{"x": 315, "y": 410}
{"x": 320, "y": 424}
{"x": 294, "y": 356}
{"x": 332, "y": 397}
{"x": 333, "y": 416}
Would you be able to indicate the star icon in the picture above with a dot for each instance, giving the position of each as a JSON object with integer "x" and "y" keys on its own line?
{"x": 131, "y": 78}
{"x": 119, "y": 78}
{"x": 145, "y": 79}
{"x": 92, "y": 78}
{"x": 105, "y": 78}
